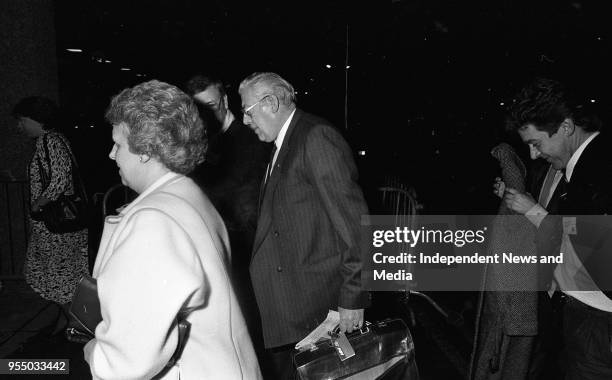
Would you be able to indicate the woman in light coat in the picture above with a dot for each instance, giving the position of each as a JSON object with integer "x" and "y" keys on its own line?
{"x": 165, "y": 254}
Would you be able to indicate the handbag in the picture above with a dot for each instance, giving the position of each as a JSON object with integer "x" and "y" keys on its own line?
{"x": 84, "y": 311}
{"x": 68, "y": 213}
{"x": 85, "y": 316}
{"x": 381, "y": 350}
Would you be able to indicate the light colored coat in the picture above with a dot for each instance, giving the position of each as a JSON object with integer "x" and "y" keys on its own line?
{"x": 168, "y": 251}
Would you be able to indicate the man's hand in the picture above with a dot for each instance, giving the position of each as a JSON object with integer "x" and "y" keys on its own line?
{"x": 39, "y": 204}
{"x": 350, "y": 319}
{"x": 518, "y": 202}
{"x": 499, "y": 187}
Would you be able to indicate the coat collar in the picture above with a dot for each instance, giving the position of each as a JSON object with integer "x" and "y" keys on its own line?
{"x": 160, "y": 182}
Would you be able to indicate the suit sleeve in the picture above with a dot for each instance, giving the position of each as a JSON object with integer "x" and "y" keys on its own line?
{"x": 334, "y": 174}
{"x": 153, "y": 271}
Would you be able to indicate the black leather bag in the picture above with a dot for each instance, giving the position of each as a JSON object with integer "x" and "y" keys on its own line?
{"x": 84, "y": 311}
{"x": 66, "y": 214}
{"x": 85, "y": 316}
{"x": 69, "y": 212}
{"x": 383, "y": 350}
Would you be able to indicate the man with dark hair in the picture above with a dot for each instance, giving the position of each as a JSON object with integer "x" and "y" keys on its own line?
{"x": 234, "y": 166}
{"x": 209, "y": 94}
{"x": 565, "y": 132}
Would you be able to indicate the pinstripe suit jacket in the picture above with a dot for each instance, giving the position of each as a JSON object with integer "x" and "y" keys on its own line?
{"x": 308, "y": 246}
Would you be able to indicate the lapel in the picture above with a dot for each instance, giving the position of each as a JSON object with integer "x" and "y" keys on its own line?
{"x": 589, "y": 163}
{"x": 265, "y": 216}
{"x": 586, "y": 181}
{"x": 558, "y": 195}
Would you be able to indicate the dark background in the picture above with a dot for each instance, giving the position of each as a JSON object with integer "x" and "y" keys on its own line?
{"x": 426, "y": 91}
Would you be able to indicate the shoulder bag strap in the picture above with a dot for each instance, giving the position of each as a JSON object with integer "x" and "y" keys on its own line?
{"x": 45, "y": 178}
{"x": 43, "y": 174}
{"x": 77, "y": 181}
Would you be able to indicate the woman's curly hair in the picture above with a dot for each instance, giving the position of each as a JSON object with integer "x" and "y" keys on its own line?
{"x": 162, "y": 122}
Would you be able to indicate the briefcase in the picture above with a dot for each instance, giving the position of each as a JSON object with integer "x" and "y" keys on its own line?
{"x": 382, "y": 350}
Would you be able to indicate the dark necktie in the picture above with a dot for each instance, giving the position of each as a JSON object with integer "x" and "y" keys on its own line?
{"x": 564, "y": 185}
{"x": 262, "y": 188}
{"x": 551, "y": 245}
{"x": 270, "y": 164}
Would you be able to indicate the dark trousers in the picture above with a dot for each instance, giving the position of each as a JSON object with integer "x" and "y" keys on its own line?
{"x": 587, "y": 346}
{"x": 280, "y": 363}
{"x": 544, "y": 362}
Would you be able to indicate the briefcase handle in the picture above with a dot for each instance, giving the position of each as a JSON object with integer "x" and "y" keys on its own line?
{"x": 364, "y": 329}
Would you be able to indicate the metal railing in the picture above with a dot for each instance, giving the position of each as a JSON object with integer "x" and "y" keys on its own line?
{"x": 14, "y": 227}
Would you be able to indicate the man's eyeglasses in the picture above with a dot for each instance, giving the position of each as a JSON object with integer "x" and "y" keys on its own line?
{"x": 247, "y": 111}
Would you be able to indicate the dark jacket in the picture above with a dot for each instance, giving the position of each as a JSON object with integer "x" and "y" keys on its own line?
{"x": 308, "y": 246}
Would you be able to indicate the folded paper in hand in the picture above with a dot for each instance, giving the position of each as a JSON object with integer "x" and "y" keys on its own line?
{"x": 321, "y": 332}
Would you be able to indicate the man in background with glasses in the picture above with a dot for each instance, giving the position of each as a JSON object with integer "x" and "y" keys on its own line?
{"x": 307, "y": 251}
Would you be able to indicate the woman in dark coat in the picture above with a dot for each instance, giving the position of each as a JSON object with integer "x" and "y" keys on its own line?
{"x": 54, "y": 261}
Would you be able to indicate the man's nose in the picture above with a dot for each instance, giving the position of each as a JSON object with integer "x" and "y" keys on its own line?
{"x": 534, "y": 152}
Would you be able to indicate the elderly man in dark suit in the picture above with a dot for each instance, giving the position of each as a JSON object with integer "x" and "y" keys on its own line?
{"x": 564, "y": 132}
{"x": 307, "y": 254}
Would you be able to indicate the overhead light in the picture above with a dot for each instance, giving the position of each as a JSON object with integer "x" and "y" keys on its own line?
{"x": 361, "y": 153}
{"x": 91, "y": 126}
{"x": 328, "y": 66}
{"x": 592, "y": 100}
{"x": 76, "y": 127}
{"x": 107, "y": 61}
{"x": 125, "y": 69}
{"x": 348, "y": 66}
{"x": 75, "y": 50}
{"x": 501, "y": 103}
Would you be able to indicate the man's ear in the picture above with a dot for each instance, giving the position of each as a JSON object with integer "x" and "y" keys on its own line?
{"x": 567, "y": 127}
{"x": 225, "y": 101}
{"x": 273, "y": 103}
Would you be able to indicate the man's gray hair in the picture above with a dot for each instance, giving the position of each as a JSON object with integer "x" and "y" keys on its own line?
{"x": 269, "y": 84}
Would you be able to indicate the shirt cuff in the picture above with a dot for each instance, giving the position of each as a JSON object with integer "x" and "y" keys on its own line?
{"x": 536, "y": 214}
